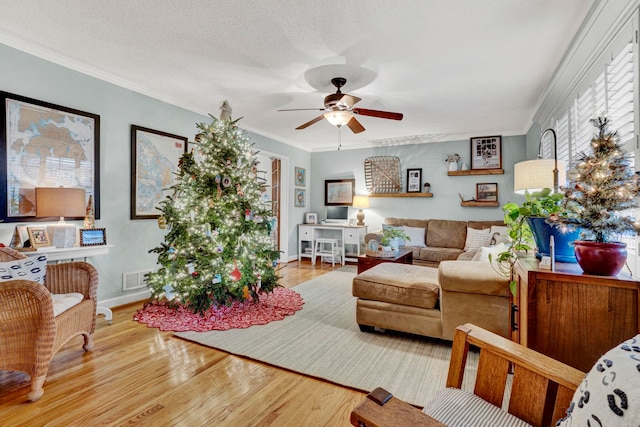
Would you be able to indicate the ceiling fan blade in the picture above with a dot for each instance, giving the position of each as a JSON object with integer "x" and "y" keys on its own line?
{"x": 349, "y": 100}
{"x": 303, "y": 109}
{"x": 310, "y": 122}
{"x": 355, "y": 125}
{"x": 378, "y": 113}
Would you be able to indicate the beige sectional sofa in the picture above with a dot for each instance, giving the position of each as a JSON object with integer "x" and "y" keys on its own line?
{"x": 443, "y": 289}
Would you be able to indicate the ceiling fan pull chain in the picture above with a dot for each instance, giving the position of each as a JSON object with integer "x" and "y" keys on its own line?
{"x": 339, "y": 137}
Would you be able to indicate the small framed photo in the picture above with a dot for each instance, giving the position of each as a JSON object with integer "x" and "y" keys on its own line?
{"x": 93, "y": 236}
{"x": 311, "y": 218}
{"x": 38, "y": 237}
{"x": 301, "y": 176}
{"x": 299, "y": 198}
{"x": 414, "y": 180}
{"x": 486, "y": 152}
{"x": 487, "y": 192}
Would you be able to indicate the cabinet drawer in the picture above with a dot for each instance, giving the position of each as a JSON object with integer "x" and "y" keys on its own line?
{"x": 351, "y": 238}
{"x": 305, "y": 233}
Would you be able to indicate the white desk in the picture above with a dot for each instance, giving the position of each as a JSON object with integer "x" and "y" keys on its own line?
{"x": 73, "y": 253}
{"x": 351, "y": 237}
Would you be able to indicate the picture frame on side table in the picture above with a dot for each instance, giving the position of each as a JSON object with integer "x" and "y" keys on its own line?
{"x": 311, "y": 218}
{"x": 339, "y": 192}
{"x": 299, "y": 198}
{"x": 414, "y": 180}
{"x": 93, "y": 236}
{"x": 154, "y": 162}
{"x": 32, "y": 129}
{"x": 38, "y": 237}
{"x": 300, "y": 176}
{"x": 486, "y": 152}
{"x": 487, "y": 192}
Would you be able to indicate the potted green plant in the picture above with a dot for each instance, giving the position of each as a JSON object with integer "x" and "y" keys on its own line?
{"x": 391, "y": 237}
{"x": 602, "y": 185}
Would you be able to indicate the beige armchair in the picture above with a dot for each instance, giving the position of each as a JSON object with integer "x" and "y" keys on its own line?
{"x": 30, "y": 334}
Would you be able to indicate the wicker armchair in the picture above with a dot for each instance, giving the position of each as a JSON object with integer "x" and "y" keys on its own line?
{"x": 30, "y": 335}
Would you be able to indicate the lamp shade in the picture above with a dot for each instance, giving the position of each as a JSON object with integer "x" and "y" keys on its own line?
{"x": 534, "y": 175}
{"x": 60, "y": 202}
{"x": 338, "y": 118}
{"x": 360, "y": 202}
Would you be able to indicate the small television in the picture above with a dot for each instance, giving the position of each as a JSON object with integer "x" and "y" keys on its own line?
{"x": 337, "y": 214}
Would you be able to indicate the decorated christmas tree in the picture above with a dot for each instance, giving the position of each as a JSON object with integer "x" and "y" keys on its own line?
{"x": 603, "y": 186}
{"x": 218, "y": 248}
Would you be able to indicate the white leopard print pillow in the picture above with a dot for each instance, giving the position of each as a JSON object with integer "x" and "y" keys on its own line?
{"x": 610, "y": 393}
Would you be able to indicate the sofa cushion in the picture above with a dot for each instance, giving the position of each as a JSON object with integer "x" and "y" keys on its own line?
{"x": 442, "y": 233}
{"x": 31, "y": 268}
{"x": 472, "y": 277}
{"x": 420, "y": 223}
{"x": 608, "y": 395}
{"x": 416, "y": 236}
{"x": 459, "y": 408}
{"x": 499, "y": 234}
{"x": 477, "y": 239}
{"x": 403, "y": 284}
{"x": 436, "y": 254}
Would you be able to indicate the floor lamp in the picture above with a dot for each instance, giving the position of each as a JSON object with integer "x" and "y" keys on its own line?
{"x": 61, "y": 202}
{"x": 534, "y": 175}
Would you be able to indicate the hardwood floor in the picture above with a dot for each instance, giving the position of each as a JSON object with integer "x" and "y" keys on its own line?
{"x": 140, "y": 376}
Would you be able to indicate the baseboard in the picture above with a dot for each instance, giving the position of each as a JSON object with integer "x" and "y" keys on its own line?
{"x": 125, "y": 299}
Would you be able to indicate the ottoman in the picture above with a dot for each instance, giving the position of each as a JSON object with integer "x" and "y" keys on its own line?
{"x": 399, "y": 297}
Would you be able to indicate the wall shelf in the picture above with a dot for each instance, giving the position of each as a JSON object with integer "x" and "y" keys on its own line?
{"x": 401, "y": 195}
{"x": 475, "y": 204}
{"x": 476, "y": 172}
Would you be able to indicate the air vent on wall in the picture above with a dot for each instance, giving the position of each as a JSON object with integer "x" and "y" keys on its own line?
{"x": 134, "y": 280}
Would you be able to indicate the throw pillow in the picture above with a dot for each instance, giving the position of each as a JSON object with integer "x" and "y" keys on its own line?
{"x": 608, "y": 395}
{"x": 416, "y": 236}
{"x": 32, "y": 268}
{"x": 483, "y": 253}
{"x": 499, "y": 234}
{"x": 394, "y": 227}
{"x": 477, "y": 239}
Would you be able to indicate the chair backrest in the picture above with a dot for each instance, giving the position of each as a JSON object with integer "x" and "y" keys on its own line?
{"x": 8, "y": 254}
{"x": 542, "y": 387}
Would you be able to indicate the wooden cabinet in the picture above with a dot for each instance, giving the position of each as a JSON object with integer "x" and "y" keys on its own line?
{"x": 571, "y": 316}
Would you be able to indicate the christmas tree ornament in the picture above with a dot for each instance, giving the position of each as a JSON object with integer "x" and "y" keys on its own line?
{"x": 162, "y": 222}
{"x": 219, "y": 249}
{"x": 239, "y": 190}
{"x": 216, "y": 279}
{"x": 190, "y": 268}
{"x": 245, "y": 292}
{"x": 225, "y": 110}
{"x": 195, "y": 274}
{"x": 168, "y": 292}
{"x": 235, "y": 274}
{"x": 226, "y": 181}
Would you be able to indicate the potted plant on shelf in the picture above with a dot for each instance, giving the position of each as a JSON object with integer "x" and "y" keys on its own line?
{"x": 602, "y": 185}
{"x": 391, "y": 238}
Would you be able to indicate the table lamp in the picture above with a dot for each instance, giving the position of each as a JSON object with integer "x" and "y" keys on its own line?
{"x": 360, "y": 202}
{"x": 60, "y": 202}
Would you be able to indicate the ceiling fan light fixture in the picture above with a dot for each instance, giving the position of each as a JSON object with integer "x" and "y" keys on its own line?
{"x": 338, "y": 118}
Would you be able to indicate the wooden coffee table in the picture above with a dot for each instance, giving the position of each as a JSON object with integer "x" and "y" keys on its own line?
{"x": 404, "y": 256}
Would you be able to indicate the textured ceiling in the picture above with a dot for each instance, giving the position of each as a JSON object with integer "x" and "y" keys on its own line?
{"x": 454, "y": 68}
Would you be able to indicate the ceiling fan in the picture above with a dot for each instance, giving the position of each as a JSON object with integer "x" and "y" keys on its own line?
{"x": 338, "y": 110}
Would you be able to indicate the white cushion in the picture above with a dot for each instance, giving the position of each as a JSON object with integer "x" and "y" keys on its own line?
{"x": 609, "y": 395}
{"x": 459, "y": 408}
{"x": 416, "y": 236}
{"x": 477, "y": 239}
{"x": 63, "y": 302}
{"x": 499, "y": 234}
{"x": 483, "y": 253}
{"x": 32, "y": 268}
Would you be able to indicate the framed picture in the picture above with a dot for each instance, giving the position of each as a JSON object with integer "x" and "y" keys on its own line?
{"x": 339, "y": 192}
{"x": 414, "y": 180}
{"x": 487, "y": 192}
{"x": 93, "y": 236}
{"x": 154, "y": 161}
{"x": 38, "y": 237}
{"x": 45, "y": 145}
{"x": 486, "y": 152}
{"x": 311, "y": 218}
{"x": 299, "y": 198}
{"x": 301, "y": 176}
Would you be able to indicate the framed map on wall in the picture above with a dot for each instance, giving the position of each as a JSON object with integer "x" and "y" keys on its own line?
{"x": 45, "y": 145}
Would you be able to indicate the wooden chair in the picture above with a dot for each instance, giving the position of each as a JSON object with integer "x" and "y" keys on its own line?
{"x": 30, "y": 335}
{"x": 541, "y": 390}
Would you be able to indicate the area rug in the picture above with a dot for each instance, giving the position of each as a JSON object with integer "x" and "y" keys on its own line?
{"x": 323, "y": 340}
{"x": 273, "y": 306}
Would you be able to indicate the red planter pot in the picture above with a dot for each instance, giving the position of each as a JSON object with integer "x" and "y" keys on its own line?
{"x": 600, "y": 259}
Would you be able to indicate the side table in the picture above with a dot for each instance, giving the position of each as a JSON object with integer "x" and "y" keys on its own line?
{"x": 404, "y": 256}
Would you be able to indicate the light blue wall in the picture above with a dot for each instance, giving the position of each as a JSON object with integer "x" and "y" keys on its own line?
{"x": 445, "y": 203}
{"x": 119, "y": 108}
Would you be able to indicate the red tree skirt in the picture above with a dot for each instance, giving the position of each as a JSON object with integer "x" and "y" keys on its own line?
{"x": 273, "y": 306}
